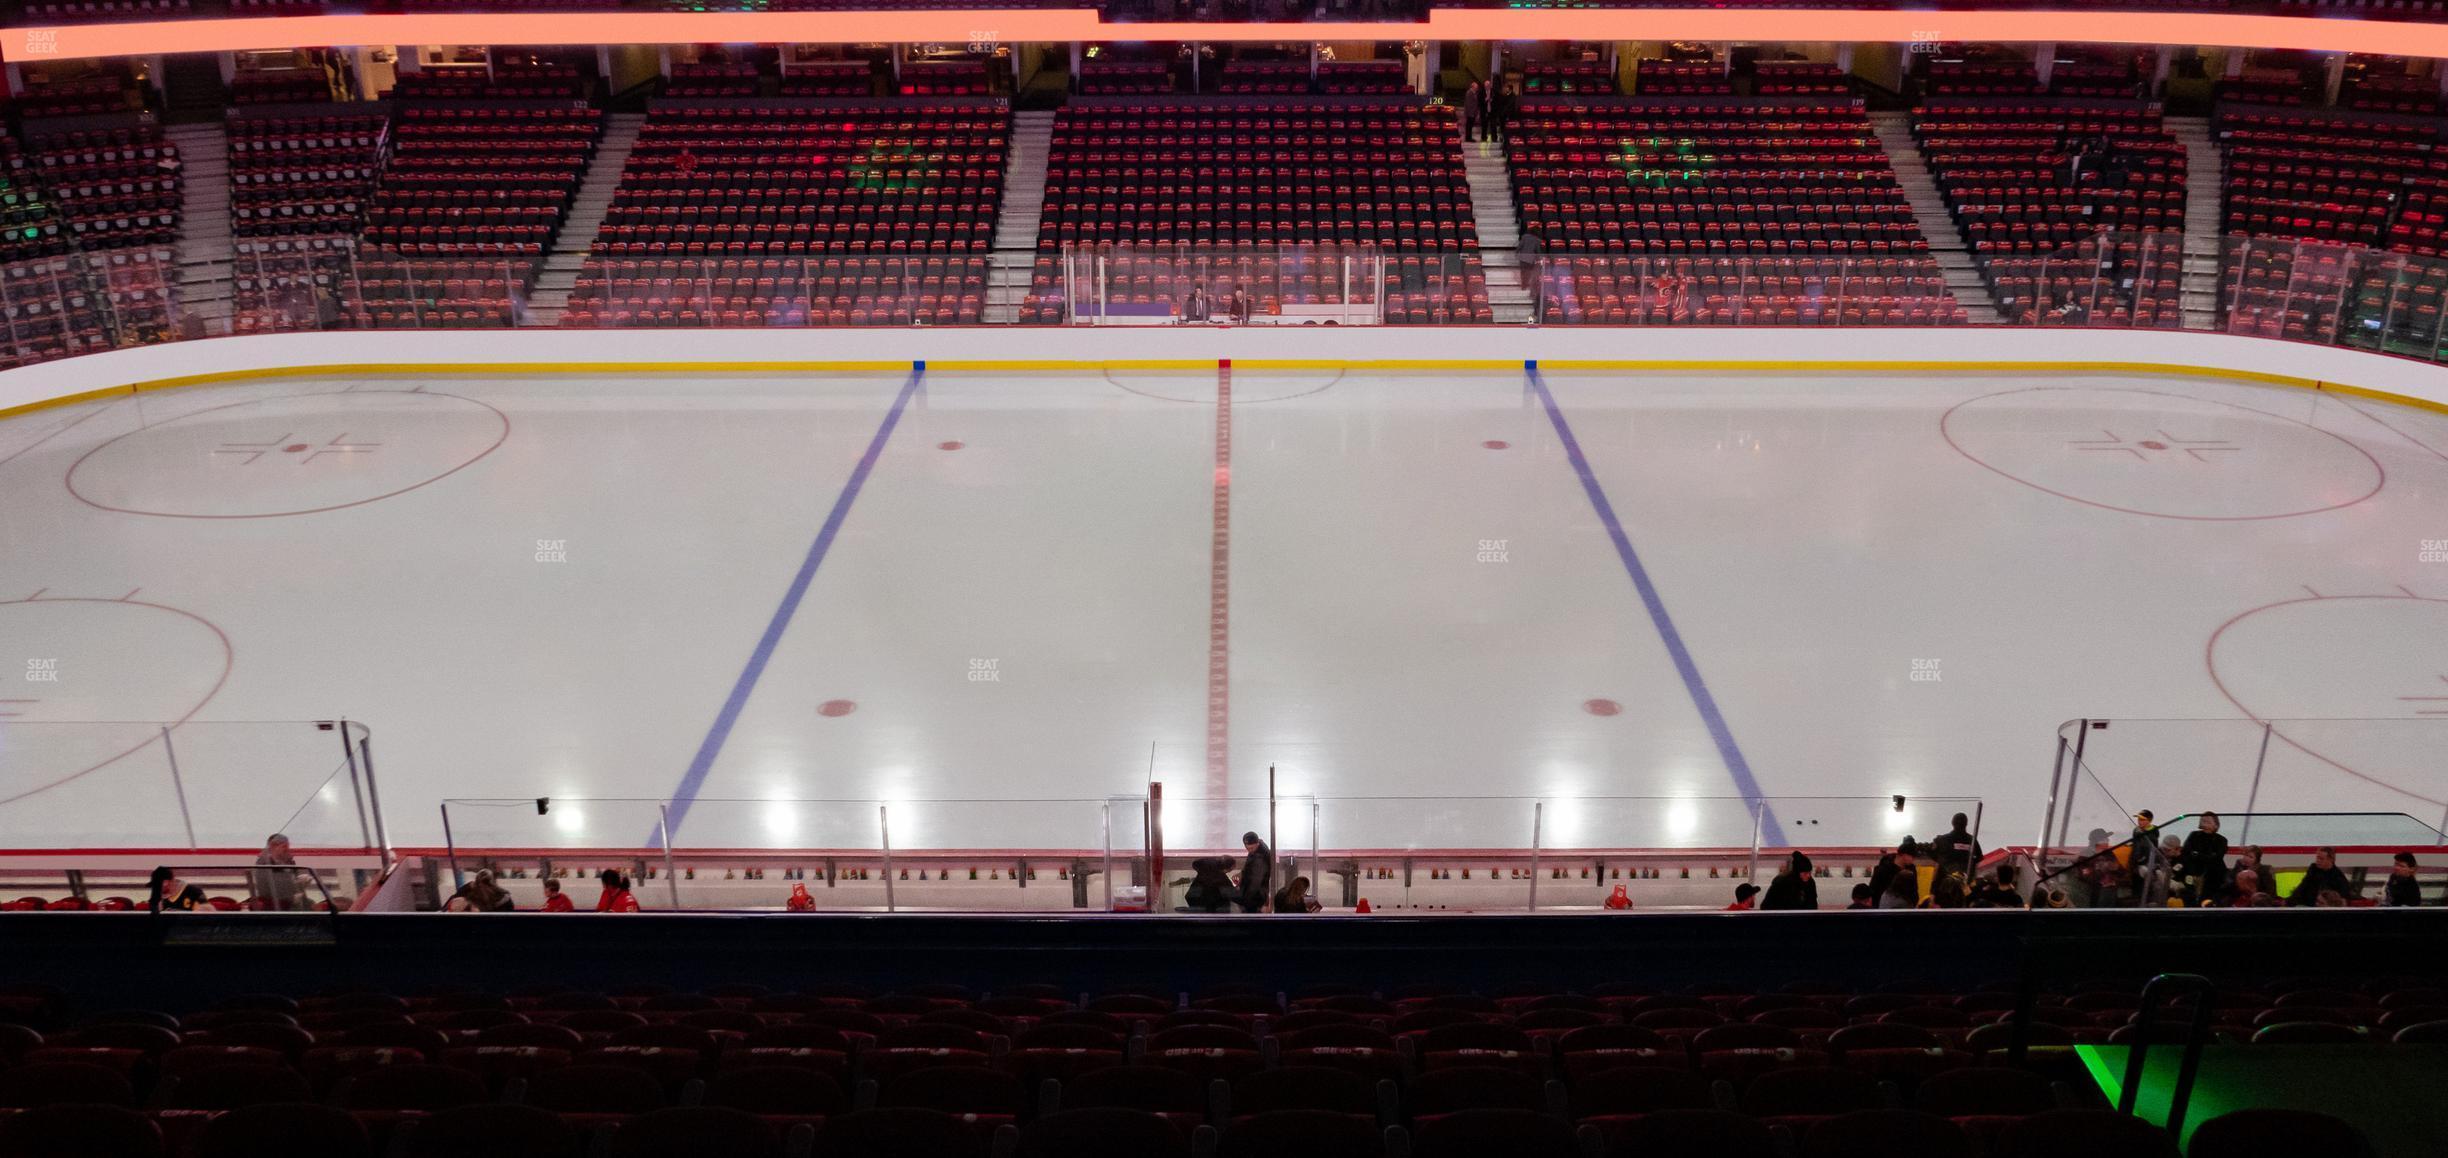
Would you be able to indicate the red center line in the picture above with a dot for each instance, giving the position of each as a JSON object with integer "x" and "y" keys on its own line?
{"x": 1219, "y": 616}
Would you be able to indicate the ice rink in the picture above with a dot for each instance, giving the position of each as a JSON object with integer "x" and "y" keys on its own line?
{"x": 1641, "y": 597}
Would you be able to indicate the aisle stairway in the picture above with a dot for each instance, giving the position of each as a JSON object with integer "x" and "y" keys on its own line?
{"x": 585, "y": 220}
{"x": 1015, "y": 239}
{"x": 1929, "y": 211}
{"x": 2205, "y": 176}
{"x": 1499, "y": 223}
{"x": 204, "y": 246}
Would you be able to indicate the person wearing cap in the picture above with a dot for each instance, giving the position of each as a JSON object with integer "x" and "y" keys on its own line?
{"x": 1746, "y": 896}
{"x": 2144, "y": 859}
{"x": 1792, "y": 889}
{"x": 1257, "y": 874}
{"x": 2403, "y": 891}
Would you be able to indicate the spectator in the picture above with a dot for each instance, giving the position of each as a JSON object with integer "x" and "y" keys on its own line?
{"x": 2403, "y": 891}
{"x": 1619, "y": 900}
{"x": 167, "y": 892}
{"x": 554, "y": 901}
{"x": 458, "y": 904}
{"x": 2101, "y": 871}
{"x": 1295, "y": 898}
{"x": 2201, "y": 865}
{"x": 1211, "y": 887}
{"x": 1955, "y": 850}
{"x": 1947, "y": 891}
{"x": 1474, "y": 109}
{"x": 1792, "y": 888}
{"x": 2324, "y": 876}
{"x": 1194, "y": 307}
{"x": 1745, "y": 895}
{"x": 800, "y": 901}
{"x": 276, "y": 883}
{"x": 2246, "y": 890}
{"x": 616, "y": 897}
{"x": 1896, "y": 879}
{"x": 2250, "y": 858}
{"x": 2055, "y": 899}
{"x": 1237, "y": 306}
{"x": 484, "y": 896}
{"x": 1864, "y": 897}
{"x": 1997, "y": 892}
{"x": 2330, "y": 899}
{"x": 2157, "y": 885}
{"x": 1257, "y": 874}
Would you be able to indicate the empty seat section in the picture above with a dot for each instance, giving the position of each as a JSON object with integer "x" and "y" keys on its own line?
{"x": 805, "y": 213}
{"x": 2033, "y": 184}
{"x": 1775, "y": 211}
{"x": 1137, "y": 183}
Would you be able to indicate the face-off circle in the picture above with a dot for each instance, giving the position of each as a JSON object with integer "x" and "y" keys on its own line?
{"x": 296, "y": 455}
{"x": 2170, "y": 456}
{"x": 2358, "y": 688}
{"x": 86, "y": 659}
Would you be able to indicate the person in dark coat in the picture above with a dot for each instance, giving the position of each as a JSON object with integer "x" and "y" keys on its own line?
{"x": 1257, "y": 874}
{"x": 1211, "y": 887}
{"x": 1956, "y": 850}
{"x": 1896, "y": 879}
{"x": 1792, "y": 888}
{"x": 2403, "y": 891}
{"x": 2201, "y": 865}
{"x": 2324, "y": 876}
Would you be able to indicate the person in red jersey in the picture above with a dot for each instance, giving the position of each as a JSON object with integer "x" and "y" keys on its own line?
{"x": 616, "y": 897}
{"x": 800, "y": 901}
{"x": 554, "y": 900}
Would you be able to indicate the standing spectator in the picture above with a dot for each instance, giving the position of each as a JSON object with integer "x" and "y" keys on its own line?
{"x": 554, "y": 900}
{"x": 2403, "y": 891}
{"x": 275, "y": 880}
{"x": 616, "y": 897}
{"x": 1746, "y": 897}
{"x": 2142, "y": 859}
{"x": 2201, "y": 865}
{"x": 1955, "y": 850}
{"x": 1211, "y": 887}
{"x": 1194, "y": 308}
{"x": 2324, "y": 876}
{"x": 1896, "y": 879}
{"x": 1295, "y": 898}
{"x": 1792, "y": 888}
{"x": 484, "y": 896}
{"x": 1474, "y": 109}
{"x": 1500, "y": 110}
{"x": 1257, "y": 874}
